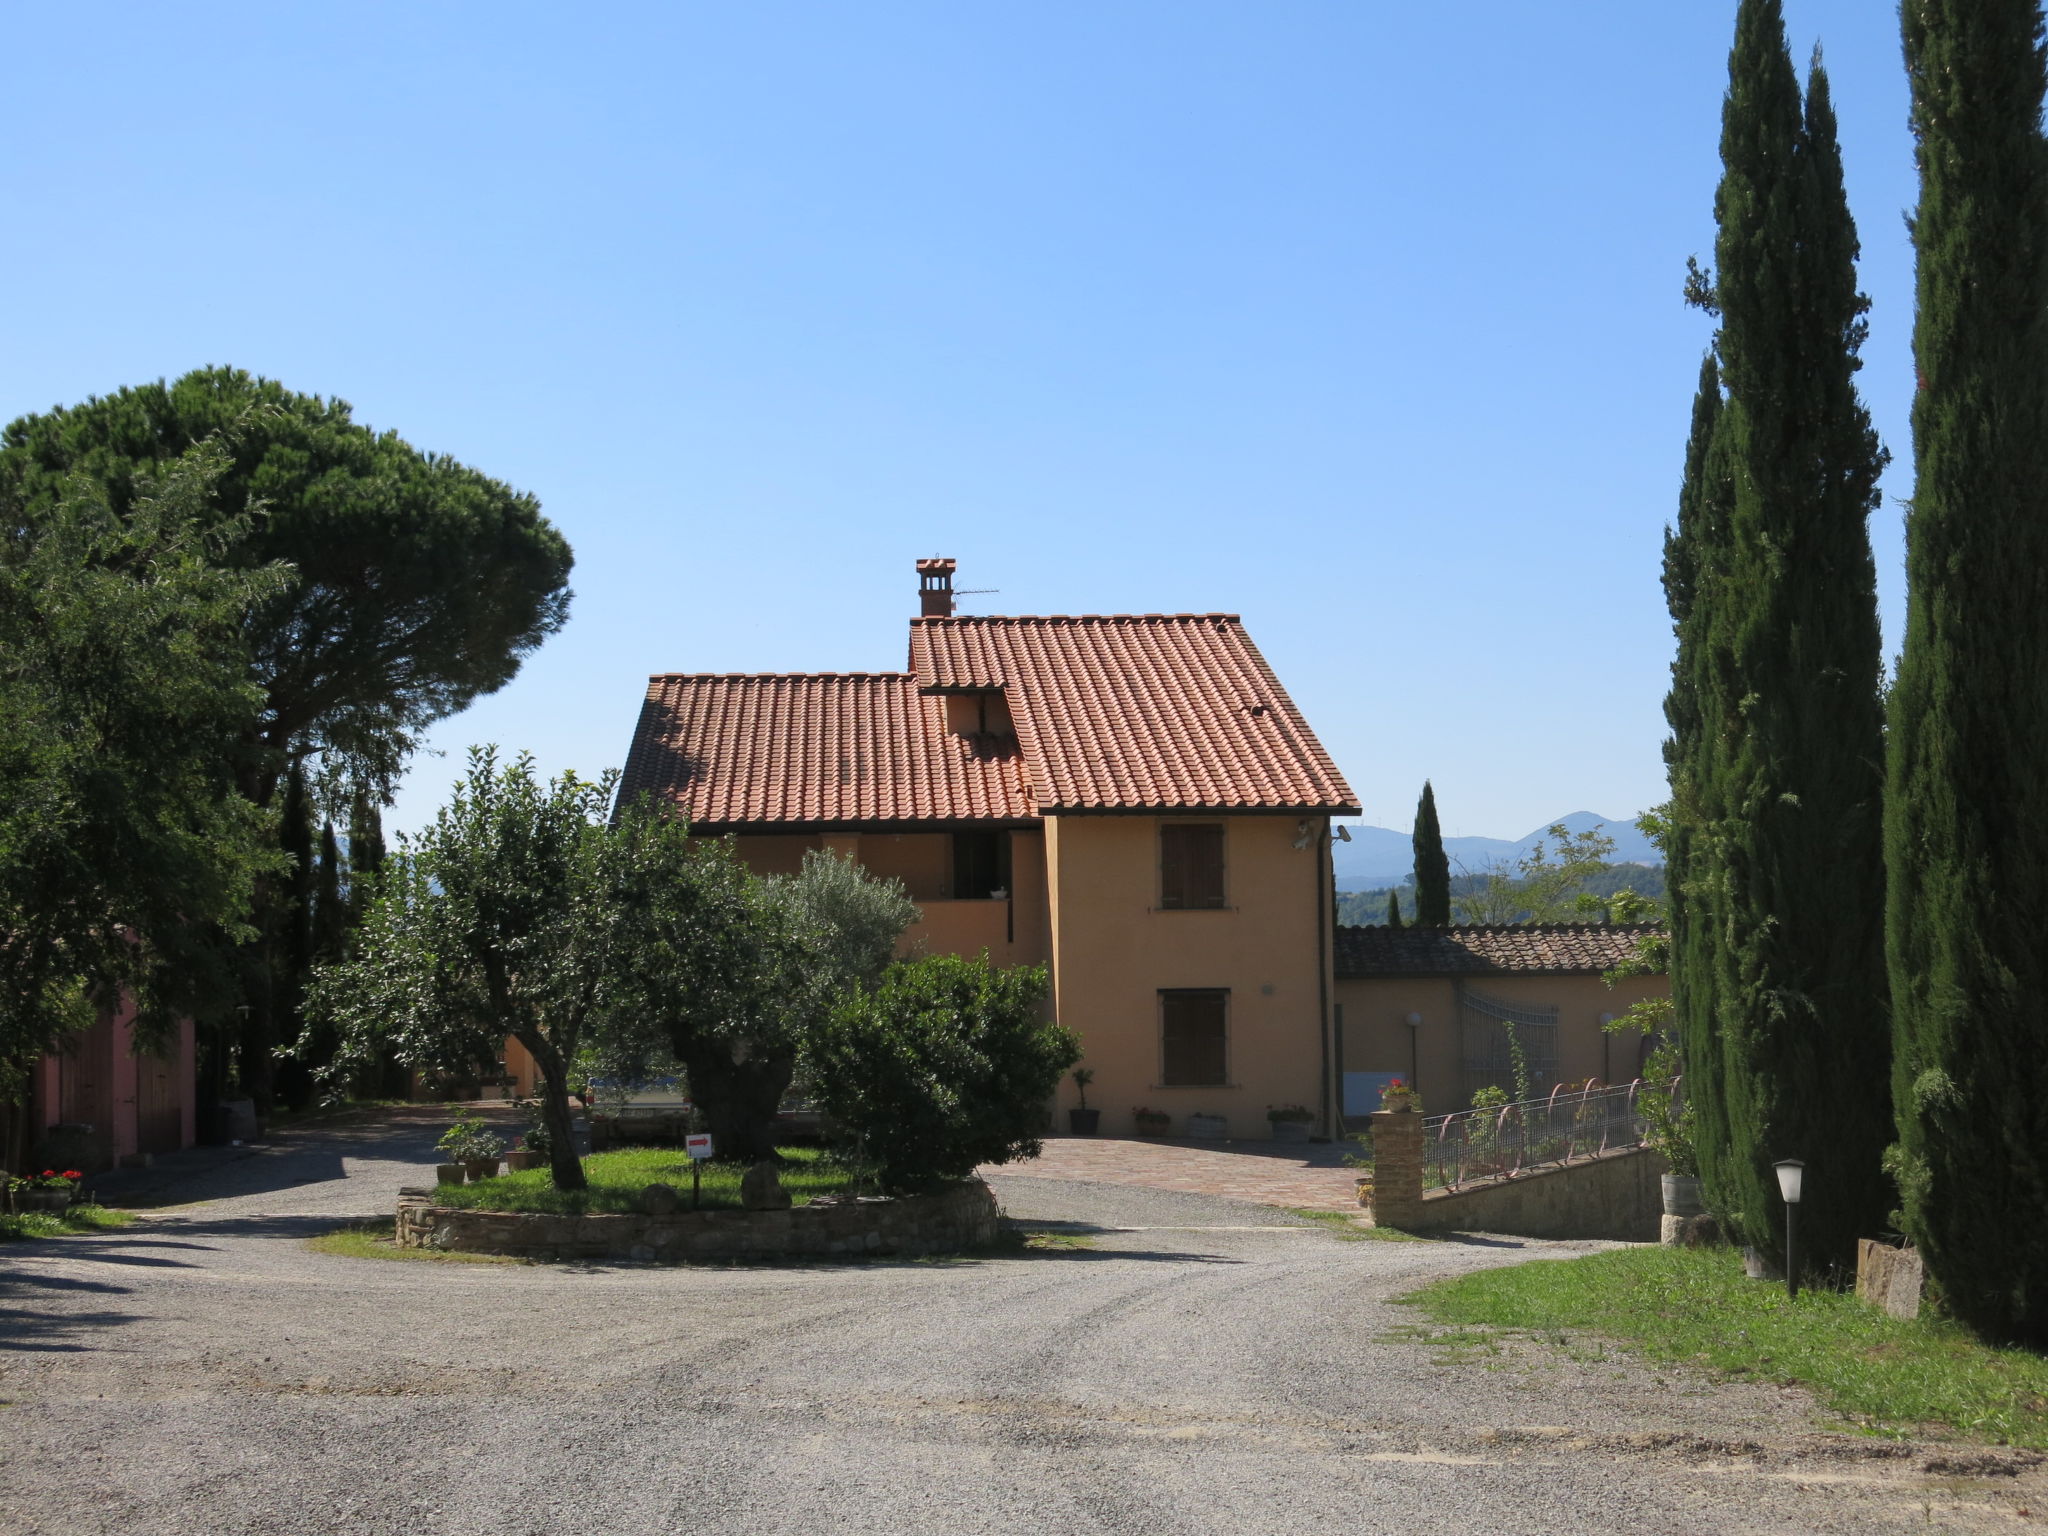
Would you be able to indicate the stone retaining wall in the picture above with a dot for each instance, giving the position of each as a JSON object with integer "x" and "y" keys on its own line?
{"x": 1617, "y": 1195}
{"x": 964, "y": 1216}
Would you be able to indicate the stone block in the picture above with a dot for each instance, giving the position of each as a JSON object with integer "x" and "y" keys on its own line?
{"x": 1890, "y": 1279}
{"x": 660, "y": 1200}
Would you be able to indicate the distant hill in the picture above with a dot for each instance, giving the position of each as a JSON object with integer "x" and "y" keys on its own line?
{"x": 1379, "y": 857}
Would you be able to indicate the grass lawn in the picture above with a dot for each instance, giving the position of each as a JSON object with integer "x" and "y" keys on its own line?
{"x": 616, "y": 1179}
{"x": 376, "y": 1242}
{"x": 1346, "y": 1230}
{"x": 78, "y": 1218}
{"x": 1694, "y": 1306}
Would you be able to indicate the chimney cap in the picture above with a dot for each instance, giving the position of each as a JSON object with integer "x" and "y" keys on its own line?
{"x": 935, "y": 587}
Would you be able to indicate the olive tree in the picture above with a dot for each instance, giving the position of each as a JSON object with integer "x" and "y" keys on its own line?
{"x": 743, "y": 996}
{"x": 514, "y": 914}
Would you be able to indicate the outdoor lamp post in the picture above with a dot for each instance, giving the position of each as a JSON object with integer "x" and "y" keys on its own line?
{"x": 1791, "y": 1179}
{"x": 1414, "y": 1051}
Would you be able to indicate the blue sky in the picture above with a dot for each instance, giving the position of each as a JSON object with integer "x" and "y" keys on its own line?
{"x": 1356, "y": 319}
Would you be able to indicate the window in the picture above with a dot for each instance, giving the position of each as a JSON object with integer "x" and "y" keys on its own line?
{"x": 1190, "y": 867}
{"x": 1192, "y": 1039}
{"x": 981, "y": 864}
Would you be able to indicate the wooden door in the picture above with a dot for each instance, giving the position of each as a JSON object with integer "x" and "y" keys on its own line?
{"x": 85, "y": 1084}
{"x": 159, "y": 1122}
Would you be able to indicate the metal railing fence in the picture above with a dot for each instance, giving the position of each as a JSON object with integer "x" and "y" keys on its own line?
{"x": 1511, "y": 1139}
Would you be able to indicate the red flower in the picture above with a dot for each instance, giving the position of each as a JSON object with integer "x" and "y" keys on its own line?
{"x": 73, "y": 1173}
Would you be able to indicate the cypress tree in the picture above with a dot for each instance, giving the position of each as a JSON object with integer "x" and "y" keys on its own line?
{"x": 1695, "y": 553}
{"x": 1393, "y": 909}
{"x": 332, "y": 918}
{"x": 1967, "y": 803}
{"x": 1432, "y": 868}
{"x": 1778, "y": 730}
{"x": 285, "y": 952}
{"x": 365, "y": 850}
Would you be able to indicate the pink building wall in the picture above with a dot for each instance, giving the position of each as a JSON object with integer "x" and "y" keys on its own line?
{"x": 144, "y": 1103}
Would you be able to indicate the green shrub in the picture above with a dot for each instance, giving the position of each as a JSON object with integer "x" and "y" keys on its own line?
{"x": 942, "y": 1065}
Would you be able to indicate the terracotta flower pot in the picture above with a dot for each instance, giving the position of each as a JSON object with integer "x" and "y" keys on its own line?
{"x": 481, "y": 1168}
{"x": 1154, "y": 1125}
{"x": 519, "y": 1162}
{"x": 448, "y": 1173}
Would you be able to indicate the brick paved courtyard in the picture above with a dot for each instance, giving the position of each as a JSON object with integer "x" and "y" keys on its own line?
{"x": 1269, "y": 1173}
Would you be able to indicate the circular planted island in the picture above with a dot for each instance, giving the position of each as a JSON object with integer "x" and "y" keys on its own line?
{"x": 948, "y": 1220}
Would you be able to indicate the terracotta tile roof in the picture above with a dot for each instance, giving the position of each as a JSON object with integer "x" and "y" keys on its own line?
{"x": 1379, "y": 951}
{"x": 1134, "y": 712}
{"x": 817, "y": 749}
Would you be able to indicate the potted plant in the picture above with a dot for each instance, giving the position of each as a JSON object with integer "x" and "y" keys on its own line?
{"x": 1362, "y": 1171}
{"x": 1667, "y": 1125}
{"x": 1152, "y": 1122}
{"x": 469, "y": 1142}
{"x": 1289, "y": 1122}
{"x": 533, "y": 1149}
{"x": 47, "y": 1191}
{"x": 1083, "y": 1121}
{"x": 1207, "y": 1127}
{"x": 1398, "y": 1097}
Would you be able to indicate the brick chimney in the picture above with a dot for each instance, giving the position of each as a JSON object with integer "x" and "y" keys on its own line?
{"x": 935, "y": 587}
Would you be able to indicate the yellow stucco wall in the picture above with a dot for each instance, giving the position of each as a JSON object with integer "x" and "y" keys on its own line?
{"x": 923, "y": 861}
{"x": 769, "y": 854}
{"x": 1113, "y": 949}
{"x": 1377, "y": 1037}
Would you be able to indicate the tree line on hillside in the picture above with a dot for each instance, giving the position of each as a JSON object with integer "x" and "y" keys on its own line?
{"x": 1471, "y": 897}
{"x": 1859, "y": 882}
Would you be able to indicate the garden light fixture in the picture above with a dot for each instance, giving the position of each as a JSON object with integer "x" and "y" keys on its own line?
{"x": 1791, "y": 1185}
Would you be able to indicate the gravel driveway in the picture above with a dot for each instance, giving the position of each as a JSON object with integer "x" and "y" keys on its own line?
{"x": 1206, "y": 1366}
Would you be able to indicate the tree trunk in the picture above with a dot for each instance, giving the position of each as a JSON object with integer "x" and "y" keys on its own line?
{"x": 564, "y": 1166}
{"x": 738, "y": 1099}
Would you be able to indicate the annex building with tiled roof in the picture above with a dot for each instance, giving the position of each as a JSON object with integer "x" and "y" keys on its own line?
{"x": 1482, "y": 949}
{"x": 1449, "y": 1008}
{"x": 1132, "y": 800}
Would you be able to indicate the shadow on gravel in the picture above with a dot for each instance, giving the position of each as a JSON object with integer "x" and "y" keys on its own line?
{"x": 14, "y": 1286}
{"x": 197, "y": 1225}
{"x": 1474, "y": 1240}
{"x": 79, "y": 1253}
{"x": 26, "y": 1326}
{"x": 40, "y": 1333}
{"x": 1070, "y": 1255}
